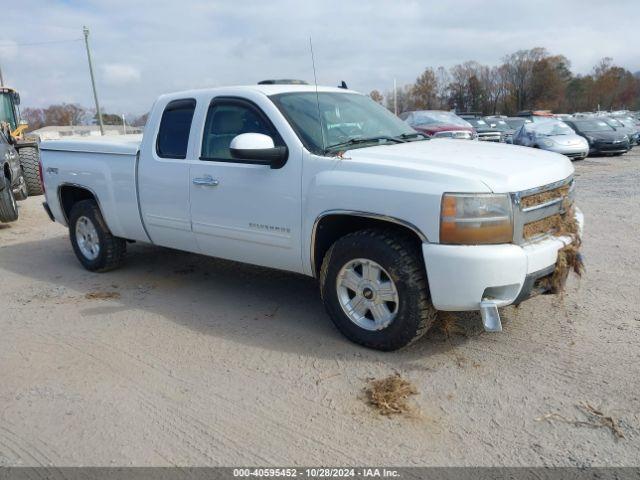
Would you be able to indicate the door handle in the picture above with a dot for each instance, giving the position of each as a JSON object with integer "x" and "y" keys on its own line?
{"x": 206, "y": 181}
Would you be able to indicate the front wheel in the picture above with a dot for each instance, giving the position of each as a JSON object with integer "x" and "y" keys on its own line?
{"x": 374, "y": 287}
{"x": 94, "y": 245}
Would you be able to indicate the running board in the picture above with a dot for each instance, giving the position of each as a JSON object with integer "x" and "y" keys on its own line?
{"x": 490, "y": 316}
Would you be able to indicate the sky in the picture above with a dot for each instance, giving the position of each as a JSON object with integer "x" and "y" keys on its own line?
{"x": 144, "y": 48}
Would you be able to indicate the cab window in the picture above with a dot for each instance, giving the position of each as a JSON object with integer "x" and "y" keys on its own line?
{"x": 228, "y": 118}
{"x": 175, "y": 126}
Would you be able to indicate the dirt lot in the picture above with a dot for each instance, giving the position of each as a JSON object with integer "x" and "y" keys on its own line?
{"x": 181, "y": 359}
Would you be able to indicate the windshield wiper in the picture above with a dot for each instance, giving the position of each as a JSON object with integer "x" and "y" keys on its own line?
{"x": 357, "y": 141}
{"x": 415, "y": 135}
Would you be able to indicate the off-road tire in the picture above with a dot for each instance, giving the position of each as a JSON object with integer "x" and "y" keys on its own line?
{"x": 112, "y": 249}
{"x": 29, "y": 160}
{"x": 8, "y": 205}
{"x": 402, "y": 259}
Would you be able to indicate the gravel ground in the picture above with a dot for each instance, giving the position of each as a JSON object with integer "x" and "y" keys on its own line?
{"x": 178, "y": 359}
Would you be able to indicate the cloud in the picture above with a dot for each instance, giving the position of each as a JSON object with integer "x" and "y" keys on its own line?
{"x": 120, "y": 74}
{"x": 8, "y": 50}
{"x": 144, "y": 48}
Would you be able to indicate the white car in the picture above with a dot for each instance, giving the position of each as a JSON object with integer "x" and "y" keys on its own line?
{"x": 553, "y": 135}
{"x": 322, "y": 182}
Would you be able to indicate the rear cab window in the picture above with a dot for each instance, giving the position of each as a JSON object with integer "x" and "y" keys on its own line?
{"x": 175, "y": 127}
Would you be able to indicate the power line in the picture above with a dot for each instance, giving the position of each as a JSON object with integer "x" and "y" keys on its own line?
{"x": 32, "y": 44}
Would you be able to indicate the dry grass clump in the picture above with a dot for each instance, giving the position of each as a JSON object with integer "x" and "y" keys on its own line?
{"x": 447, "y": 322}
{"x": 102, "y": 295}
{"x": 544, "y": 197}
{"x": 569, "y": 257}
{"x": 389, "y": 395}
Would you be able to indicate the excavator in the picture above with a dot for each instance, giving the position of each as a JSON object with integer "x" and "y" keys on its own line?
{"x": 15, "y": 130}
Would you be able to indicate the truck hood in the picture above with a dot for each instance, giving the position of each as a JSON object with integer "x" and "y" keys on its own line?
{"x": 502, "y": 168}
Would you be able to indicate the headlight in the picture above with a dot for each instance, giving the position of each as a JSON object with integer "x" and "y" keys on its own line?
{"x": 476, "y": 218}
{"x": 547, "y": 143}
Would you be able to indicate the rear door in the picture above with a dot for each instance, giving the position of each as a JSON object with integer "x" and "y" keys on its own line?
{"x": 242, "y": 210}
{"x": 163, "y": 178}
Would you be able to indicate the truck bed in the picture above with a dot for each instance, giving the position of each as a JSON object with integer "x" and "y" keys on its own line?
{"x": 116, "y": 144}
{"x": 106, "y": 166}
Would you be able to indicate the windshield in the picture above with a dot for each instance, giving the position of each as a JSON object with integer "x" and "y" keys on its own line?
{"x": 434, "y": 116}
{"x": 592, "y": 126}
{"x": 516, "y": 122}
{"x": 478, "y": 122}
{"x": 626, "y": 122}
{"x": 6, "y": 110}
{"x": 551, "y": 128}
{"x": 346, "y": 117}
{"x": 613, "y": 122}
{"x": 498, "y": 124}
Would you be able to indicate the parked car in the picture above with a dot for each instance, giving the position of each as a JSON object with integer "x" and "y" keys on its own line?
{"x": 500, "y": 123}
{"x": 623, "y": 125}
{"x": 439, "y": 124}
{"x": 536, "y": 115}
{"x": 324, "y": 182}
{"x": 555, "y": 136}
{"x": 602, "y": 138}
{"x": 12, "y": 184}
{"x": 516, "y": 122}
{"x": 483, "y": 129}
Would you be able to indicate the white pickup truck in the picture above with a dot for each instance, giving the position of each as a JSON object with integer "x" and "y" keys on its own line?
{"x": 323, "y": 182}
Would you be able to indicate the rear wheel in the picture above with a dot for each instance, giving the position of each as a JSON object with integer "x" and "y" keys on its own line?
{"x": 374, "y": 287}
{"x": 94, "y": 245}
{"x": 8, "y": 205}
{"x": 29, "y": 160}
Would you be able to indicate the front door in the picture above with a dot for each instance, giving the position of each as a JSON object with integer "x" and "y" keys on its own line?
{"x": 240, "y": 210}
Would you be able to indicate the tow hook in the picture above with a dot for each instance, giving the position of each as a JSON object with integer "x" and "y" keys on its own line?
{"x": 490, "y": 316}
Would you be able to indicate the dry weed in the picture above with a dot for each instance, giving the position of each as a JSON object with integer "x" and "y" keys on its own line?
{"x": 544, "y": 197}
{"x": 389, "y": 395}
{"x": 448, "y": 323}
{"x": 596, "y": 419}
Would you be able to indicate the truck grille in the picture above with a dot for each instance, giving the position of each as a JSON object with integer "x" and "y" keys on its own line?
{"x": 540, "y": 211}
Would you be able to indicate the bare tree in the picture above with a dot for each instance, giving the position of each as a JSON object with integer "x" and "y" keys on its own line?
{"x": 376, "y": 96}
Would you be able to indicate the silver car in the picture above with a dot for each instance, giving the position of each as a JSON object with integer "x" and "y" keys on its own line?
{"x": 553, "y": 135}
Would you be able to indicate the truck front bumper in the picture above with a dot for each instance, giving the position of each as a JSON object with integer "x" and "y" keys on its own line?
{"x": 461, "y": 276}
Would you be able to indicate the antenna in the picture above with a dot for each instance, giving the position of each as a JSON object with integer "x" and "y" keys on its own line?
{"x": 315, "y": 80}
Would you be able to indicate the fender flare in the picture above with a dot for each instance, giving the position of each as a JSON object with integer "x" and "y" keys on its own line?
{"x": 358, "y": 213}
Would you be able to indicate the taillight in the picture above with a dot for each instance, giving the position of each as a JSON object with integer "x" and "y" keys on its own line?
{"x": 40, "y": 173}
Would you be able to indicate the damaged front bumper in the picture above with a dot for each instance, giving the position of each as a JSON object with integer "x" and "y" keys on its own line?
{"x": 485, "y": 277}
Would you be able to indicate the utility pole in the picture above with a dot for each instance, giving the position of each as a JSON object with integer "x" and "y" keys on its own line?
{"x": 124, "y": 125}
{"x": 395, "y": 97}
{"x": 85, "y": 30}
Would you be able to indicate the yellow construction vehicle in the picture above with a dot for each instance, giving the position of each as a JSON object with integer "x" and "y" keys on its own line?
{"x": 15, "y": 130}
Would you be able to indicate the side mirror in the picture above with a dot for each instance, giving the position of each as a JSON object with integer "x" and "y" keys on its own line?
{"x": 258, "y": 148}
{"x": 16, "y": 98}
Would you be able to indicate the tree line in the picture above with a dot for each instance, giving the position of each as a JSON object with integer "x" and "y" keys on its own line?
{"x": 525, "y": 80}
{"x": 72, "y": 114}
